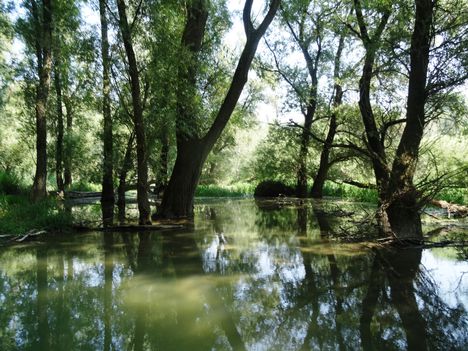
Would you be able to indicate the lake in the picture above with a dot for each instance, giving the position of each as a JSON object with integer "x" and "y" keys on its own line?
{"x": 249, "y": 275}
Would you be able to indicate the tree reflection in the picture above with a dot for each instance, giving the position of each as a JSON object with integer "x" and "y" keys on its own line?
{"x": 42, "y": 300}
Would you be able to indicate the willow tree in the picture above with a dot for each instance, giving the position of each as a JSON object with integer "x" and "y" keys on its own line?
{"x": 192, "y": 150}
{"x": 399, "y": 199}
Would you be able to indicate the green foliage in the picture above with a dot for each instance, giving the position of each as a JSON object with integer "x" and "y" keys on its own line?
{"x": 454, "y": 195}
{"x": 235, "y": 190}
{"x": 18, "y": 215}
{"x": 346, "y": 191}
{"x": 83, "y": 185}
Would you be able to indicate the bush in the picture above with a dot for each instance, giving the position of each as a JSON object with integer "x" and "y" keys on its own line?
{"x": 272, "y": 188}
{"x": 10, "y": 184}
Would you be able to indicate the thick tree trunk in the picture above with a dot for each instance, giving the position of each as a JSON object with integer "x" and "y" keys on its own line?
{"x": 178, "y": 197}
{"x": 107, "y": 197}
{"x": 60, "y": 127}
{"x": 192, "y": 151}
{"x": 44, "y": 61}
{"x": 67, "y": 159}
{"x": 142, "y": 159}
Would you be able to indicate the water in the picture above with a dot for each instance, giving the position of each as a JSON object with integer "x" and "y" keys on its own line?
{"x": 248, "y": 277}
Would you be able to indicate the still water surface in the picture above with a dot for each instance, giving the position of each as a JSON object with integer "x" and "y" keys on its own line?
{"x": 249, "y": 276}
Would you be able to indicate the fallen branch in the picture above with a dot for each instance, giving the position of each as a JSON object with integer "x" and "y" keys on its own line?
{"x": 452, "y": 209}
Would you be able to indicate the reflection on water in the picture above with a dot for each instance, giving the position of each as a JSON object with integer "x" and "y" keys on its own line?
{"x": 250, "y": 277}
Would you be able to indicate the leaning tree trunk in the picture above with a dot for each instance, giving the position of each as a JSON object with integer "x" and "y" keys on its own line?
{"x": 322, "y": 172}
{"x": 107, "y": 197}
{"x": 44, "y": 63}
{"x": 142, "y": 159}
{"x": 192, "y": 152}
{"x": 403, "y": 210}
{"x": 374, "y": 143}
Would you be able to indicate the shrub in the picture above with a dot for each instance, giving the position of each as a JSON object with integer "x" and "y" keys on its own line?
{"x": 271, "y": 188}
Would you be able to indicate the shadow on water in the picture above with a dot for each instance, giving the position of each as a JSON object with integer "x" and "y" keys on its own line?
{"x": 245, "y": 278}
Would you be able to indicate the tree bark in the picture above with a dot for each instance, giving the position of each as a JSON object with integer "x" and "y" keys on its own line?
{"x": 191, "y": 150}
{"x": 44, "y": 66}
{"x": 107, "y": 195}
{"x": 142, "y": 160}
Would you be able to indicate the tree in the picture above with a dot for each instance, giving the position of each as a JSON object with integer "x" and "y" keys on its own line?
{"x": 43, "y": 27}
{"x": 107, "y": 197}
{"x": 191, "y": 149}
{"x": 142, "y": 160}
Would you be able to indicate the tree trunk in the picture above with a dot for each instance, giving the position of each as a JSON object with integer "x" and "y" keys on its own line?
{"x": 67, "y": 159}
{"x": 107, "y": 196}
{"x": 403, "y": 210}
{"x": 178, "y": 197}
{"x": 192, "y": 151}
{"x": 163, "y": 162}
{"x": 126, "y": 165}
{"x": 44, "y": 61}
{"x": 322, "y": 172}
{"x": 60, "y": 131}
{"x": 142, "y": 160}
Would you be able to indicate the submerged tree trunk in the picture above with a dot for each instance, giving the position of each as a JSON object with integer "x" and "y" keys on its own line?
{"x": 403, "y": 209}
{"x": 107, "y": 197}
{"x": 44, "y": 66}
{"x": 192, "y": 151}
{"x": 142, "y": 159}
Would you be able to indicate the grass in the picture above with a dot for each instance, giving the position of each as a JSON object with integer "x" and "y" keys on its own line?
{"x": 18, "y": 215}
{"x": 235, "y": 190}
{"x": 347, "y": 191}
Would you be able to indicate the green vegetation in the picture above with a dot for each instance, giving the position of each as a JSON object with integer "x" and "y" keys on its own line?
{"x": 18, "y": 215}
{"x": 235, "y": 190}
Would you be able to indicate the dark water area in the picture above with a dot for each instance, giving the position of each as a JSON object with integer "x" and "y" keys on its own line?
{"x": 249, "y": 276}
